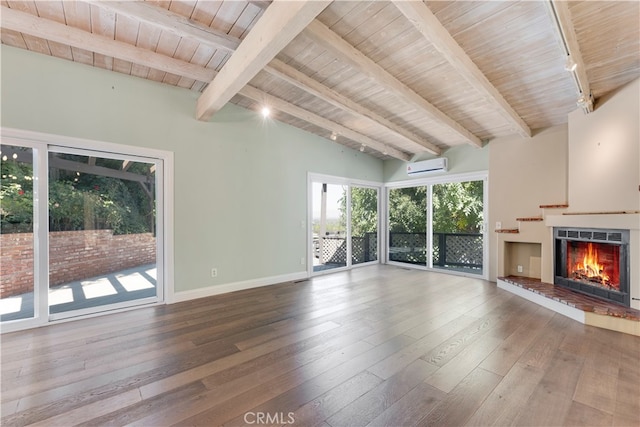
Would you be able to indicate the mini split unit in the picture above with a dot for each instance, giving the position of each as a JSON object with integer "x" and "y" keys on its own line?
{"x": 427, "y": 166}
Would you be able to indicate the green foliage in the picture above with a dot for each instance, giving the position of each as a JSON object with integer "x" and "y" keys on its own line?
{"x": 16, "y": 197}
{"x": 457, "y": 207}
{"x": 364, "y": 210}
{"x": 408, "y": 210}
{"x": 16, "y": 206}
{"x": 76, "y": 202}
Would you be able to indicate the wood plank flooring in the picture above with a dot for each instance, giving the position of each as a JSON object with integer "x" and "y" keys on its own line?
{"x": 377, "y": 346}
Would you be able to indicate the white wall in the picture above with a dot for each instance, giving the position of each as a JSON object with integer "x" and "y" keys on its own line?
{"x": 240, "y": 182}
{"x": 604, "y": 161}
{"x": 525, "y": 173}
{"x": 593, "y": 163}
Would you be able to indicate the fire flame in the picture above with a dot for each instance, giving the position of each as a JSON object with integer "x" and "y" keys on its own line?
{"x": 590, "y": 267}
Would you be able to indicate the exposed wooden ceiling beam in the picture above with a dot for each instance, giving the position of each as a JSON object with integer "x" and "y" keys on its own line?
{"x": 309, "y": 85}
{"x": 171, "y": 22}
{"x": 325, "y": 37}
{"x": 259, "y": 3}
{"x": 126, "y": 164}
{"x": 27, "y": 23}
{"x": 278, "y": 25}
{"x": 180, "y": 26}
{"x": 44, "y": 28}
{"x": 560, "y": 14}
{"x": 435, "y": 33}
{"x": 293, "y": 110}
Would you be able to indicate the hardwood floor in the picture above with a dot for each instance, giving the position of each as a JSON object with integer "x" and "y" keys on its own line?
{"x": 376, "y": 346}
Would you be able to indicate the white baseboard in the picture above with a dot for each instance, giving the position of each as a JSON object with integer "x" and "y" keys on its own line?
{"x": 557, "y": 306}
{"x": 236, "y": 286}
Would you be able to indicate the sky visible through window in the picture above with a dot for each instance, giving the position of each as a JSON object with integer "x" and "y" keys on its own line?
{"x": 334, "y": 193}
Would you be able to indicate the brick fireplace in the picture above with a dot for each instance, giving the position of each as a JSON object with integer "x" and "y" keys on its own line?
{"x": 575, "y": 238}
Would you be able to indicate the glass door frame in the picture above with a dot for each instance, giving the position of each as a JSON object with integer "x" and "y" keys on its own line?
{"x": 429, "y": 182}
{"x": 41, "y": 143}
{"x": 159, "y": 230}
{"x": 349, "y": 183}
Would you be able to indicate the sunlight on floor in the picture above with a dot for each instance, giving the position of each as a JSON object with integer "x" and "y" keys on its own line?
{"x": 134, "y": 282}
{"x": 10, "y": 305}
{"x": 98, "y": 288}
{"x": 60, "y": 295}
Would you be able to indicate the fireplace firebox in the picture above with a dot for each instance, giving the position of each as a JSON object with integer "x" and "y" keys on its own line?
{"x": 594, "y": 262}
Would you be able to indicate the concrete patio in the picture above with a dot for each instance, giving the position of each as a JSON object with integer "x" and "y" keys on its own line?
{"x": 126, "y": 285}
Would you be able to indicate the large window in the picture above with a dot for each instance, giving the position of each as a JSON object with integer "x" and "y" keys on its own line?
{"x": 457, "y": 223}
{"x": 364, "y": 224}
{"x": 17, "y": 194}
{"x": 82, "y": 231}
{"x": 329, "y": 226}
{"x": 344, "y": 223}
{"x": 408, "y": 225}
{"x": 439, "y": 224}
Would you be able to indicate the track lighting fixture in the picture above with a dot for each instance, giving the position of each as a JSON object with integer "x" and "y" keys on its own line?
{"x": 570, "y": 65}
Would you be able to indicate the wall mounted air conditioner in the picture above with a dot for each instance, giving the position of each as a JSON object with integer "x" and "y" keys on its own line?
{"x": 427, "y": 166}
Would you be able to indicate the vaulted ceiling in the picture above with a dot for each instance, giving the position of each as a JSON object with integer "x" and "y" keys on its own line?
{"x": 394, "y": 78}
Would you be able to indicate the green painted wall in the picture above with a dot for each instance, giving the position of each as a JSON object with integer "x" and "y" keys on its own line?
{"x": 240, "y": 182}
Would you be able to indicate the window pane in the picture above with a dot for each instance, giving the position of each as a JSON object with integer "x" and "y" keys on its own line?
{"x": 364, "y": 225}
{"x": 329, "y": 226}
{"x": 102, "y": 231}
{"x": 408, "y": 225}
{"x": 16, "y": 233}
{"x": 457, "y": 226}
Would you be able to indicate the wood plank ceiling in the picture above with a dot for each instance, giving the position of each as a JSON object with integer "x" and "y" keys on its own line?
{"x": 395, "y": 78}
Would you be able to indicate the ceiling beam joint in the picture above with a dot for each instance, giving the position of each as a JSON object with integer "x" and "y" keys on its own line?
{"x": 278, "y": 25}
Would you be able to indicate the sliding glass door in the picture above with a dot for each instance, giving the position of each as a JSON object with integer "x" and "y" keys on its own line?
{"x": 364, "y": 224}
{"x": 81, "y": 231}
{"x": 17, "y": 194}
{"x": 408, "y": 225}
{"x": 103, "y": 247}
{"x": 344, "y": 223}
{"x": 457, "y": 223}
{"x": 439, "y": 225}
{"x": 329, "y": 226}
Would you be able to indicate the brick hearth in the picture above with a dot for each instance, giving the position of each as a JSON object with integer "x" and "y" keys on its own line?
{"x": 597, "y": 312}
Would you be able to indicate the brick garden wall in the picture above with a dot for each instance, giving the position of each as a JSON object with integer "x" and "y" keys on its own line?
{"x": 73, "y": 255}
{"x": 16, "y": 264}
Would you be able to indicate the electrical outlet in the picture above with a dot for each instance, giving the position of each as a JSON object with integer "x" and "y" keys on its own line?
{"x": 303, "y": 261}
{"x": 214, "y": 272}
{"x": 498, "y": 225}
{"x": 520, "y": 269}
